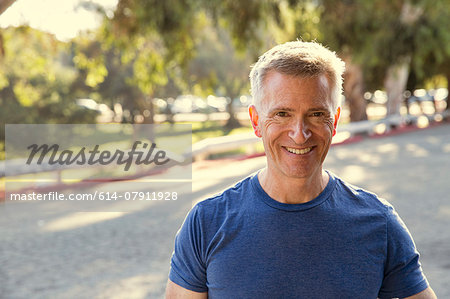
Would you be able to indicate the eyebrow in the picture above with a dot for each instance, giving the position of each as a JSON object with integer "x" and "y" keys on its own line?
{"x": 288, "y": 109}
{"x": 281, "y": 108}
{"x": 322, "y": 108}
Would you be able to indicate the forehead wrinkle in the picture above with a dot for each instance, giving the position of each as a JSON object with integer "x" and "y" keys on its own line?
{"x": 276, "y": 98}
{"x": 319, "y": 101}
{"x": 319, "y": 108}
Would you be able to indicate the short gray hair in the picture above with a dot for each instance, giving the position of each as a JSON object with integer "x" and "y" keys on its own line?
{"x": 302, "y": 59}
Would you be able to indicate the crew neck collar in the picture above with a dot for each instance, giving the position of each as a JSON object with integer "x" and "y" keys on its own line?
{"x": 324, "y": 195}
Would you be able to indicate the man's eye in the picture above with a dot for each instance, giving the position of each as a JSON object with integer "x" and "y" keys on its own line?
{"x": 317, "y": 114}
{"x": 282, "y": 114}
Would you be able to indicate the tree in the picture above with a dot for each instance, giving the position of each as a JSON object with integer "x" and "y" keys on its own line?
{"x": 375, "y": 38}
{"x": 323, "y": 21}
{"x": 416, "y": 42}
{"x": 127, "y": 75}
{"x": 217, "y": 68}
{"x": 350, "y": 35}
{"x": 178, "y": 25}
{"x": 35, "y": 80}
{"x": 431, "y": 47}
{"x": 381, "y": 41}
{"x": 138, "y": 61}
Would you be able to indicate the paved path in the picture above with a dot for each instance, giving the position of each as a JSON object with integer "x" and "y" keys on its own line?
{"x": 61, "y": 254}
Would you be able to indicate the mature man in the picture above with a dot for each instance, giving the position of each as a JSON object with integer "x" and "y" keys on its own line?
{"x": 294, "y": 230}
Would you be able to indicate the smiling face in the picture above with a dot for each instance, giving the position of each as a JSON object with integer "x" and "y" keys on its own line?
{"x": 296, "y": 121}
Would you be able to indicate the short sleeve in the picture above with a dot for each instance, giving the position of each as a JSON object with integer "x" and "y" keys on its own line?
{"x": 187, "y": 267}
{"x": 403, "y": 276}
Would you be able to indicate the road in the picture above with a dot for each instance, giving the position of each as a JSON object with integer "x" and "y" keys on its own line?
{"x": 59, "y": 253}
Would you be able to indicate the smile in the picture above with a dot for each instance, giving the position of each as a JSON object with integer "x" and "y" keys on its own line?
{"x": 298, "y": 151}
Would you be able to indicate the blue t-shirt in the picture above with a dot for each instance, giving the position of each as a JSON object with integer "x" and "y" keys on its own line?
{"x": 345, "y": 243}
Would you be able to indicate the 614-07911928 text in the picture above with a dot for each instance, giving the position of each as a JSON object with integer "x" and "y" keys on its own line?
{"x": 134, "y": 195}
{"x": 97, "y": 195}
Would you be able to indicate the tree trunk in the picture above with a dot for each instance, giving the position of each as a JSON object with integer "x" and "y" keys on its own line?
{"x": 233, "y": 89}
{"x": 2, "y": 46}
{"x": 448, "y": 95}
{"x": 447, "y": 109}
{"x": 145, "y": 107}
{"x": 4, "y": 4}
{"x": 354, "y": 91}
{"x": 395, "y": 84}
{"x": 232, "y": 122}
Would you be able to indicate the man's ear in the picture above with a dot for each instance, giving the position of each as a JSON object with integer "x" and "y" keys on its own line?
{"x": 336, "y": 119}
{"x": 254, "y": 120}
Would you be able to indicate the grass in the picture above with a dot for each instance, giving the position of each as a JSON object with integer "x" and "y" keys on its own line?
{"x": 211, "y": 129}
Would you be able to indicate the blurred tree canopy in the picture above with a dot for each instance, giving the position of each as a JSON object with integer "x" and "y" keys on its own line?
{"x": 115, "y": 76}
{"x": 377, "y": 39}
{"x": 160, "y": 47}
{"x": 35, "y": 80}
{"x": 217, "y": 68}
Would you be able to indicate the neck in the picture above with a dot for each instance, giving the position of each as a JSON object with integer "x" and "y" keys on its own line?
{"x": 293, "y": 190}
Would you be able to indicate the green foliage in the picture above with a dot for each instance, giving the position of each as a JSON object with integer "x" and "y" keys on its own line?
{"x": 127, "y": 74}
{"x": 193, "y": 44}
{"x": 94, "y": 66}
{"x": 161, "y": 49}
{"x": 35, "y": 81}
{"x": 149, "y": 70}
{"x": 378, "y": 34}
{"x": 217, "y": 68}
{"x": 171, "y": 20}
{"x": 431, "y": 47}
{"x": 176, "y": 22}
{"x": 300, "y": 22}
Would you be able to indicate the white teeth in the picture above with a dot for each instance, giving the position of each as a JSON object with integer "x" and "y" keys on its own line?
{"x": 299, "y": 151}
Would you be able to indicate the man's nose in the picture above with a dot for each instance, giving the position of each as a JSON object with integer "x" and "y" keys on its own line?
{"x": 299, "y": 131}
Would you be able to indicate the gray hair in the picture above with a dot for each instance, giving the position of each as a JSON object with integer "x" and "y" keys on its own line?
{"x": 302, "y": 59}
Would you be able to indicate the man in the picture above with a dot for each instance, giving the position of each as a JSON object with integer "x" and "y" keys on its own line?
{"x": 294, "y": 230}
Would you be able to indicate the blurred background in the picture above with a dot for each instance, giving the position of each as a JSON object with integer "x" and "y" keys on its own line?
{"x": 187, "y": 62}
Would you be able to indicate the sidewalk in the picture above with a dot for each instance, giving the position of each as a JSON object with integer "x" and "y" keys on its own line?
{"x": 126, "y": 255}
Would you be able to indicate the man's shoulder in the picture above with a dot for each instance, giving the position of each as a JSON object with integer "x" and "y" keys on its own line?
{"x": 228, "y": 200}
{"x": 360, "y": 196}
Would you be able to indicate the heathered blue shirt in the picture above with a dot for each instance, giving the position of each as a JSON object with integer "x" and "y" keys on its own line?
{"x": 346, "y": 243}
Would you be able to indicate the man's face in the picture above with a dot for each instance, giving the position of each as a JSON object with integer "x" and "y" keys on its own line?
{"x": 296, "y": 121}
